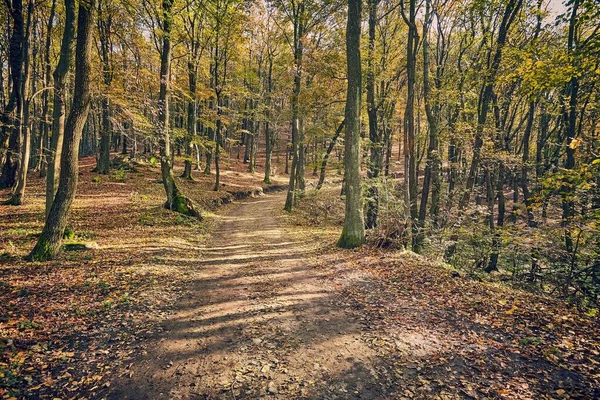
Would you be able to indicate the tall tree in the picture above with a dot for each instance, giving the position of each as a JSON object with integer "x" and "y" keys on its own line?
{"x": 225, "y": 18}
{"x": 353, "y": 233}
{"x": 49, "y": 242}
{"x": 105, "y": 24}
{"x": 432, "y": 167}
{"x": 298, "y": 18}
{"x": 410, "y": 156}
{"x": 304, "y": 16}
{"x": 193, "y": 26}
{"x": 269, "y": 134}
{"x": 176, "y": 201}
{"x": 54, "y": 152}
{"x": 375, "y": 159}
{"x": 25, "y": 125}
{"x": 47, "y": 82}
{"x": 11, "y": 118}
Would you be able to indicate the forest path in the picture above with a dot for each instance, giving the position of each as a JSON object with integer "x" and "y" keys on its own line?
{"x": 259, "y": 320}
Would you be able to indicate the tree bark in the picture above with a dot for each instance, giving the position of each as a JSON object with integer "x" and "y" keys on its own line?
{"x": 176, "y": 201}
{"x": 300, "y": 168}
{"x": 493, "y": 262}
{"x": 328, "y": 152}
{"x": 269, "y": 137}
{"x": 375, "y": 157}
{"x": 209, "y": 149}
{"x": 45, "y": 125}
{"x": 104, "y": 33}
{"x": 217, "y": 89}
{"x": 48, "y": 243}
{"x": 54, "y": 153}
{"x": 569, "y": 120}
{"x": 410, "y": 166}
{"x": 13, "y": 111}
{"x": 218, "y": 145}
{"x": 298, "y": 56}
{"x": 525, "y": 165}
{"x": 431, "y": 175}
{"x": 191, "y": 122}
{"x": 19, "y": 190}
{"x": 353, "y": 233}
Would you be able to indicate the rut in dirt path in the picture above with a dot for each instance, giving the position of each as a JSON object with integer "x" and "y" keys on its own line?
{"x": 257, "y": 321}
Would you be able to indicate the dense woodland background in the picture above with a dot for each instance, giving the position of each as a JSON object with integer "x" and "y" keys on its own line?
{"x": 478, "y": 137}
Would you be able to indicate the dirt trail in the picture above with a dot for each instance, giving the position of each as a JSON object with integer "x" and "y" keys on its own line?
{"x": 258, "y": 320}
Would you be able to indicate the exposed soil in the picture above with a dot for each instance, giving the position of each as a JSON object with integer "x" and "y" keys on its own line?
{"x": 257, "y": 319}
{"x": 264, "y": 306}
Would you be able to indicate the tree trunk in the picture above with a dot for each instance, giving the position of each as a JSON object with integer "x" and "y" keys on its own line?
{"x": 388, "y": 138}
{"x": 431, "y": 177}
{"x": 103, "y": 166}
{"x": 289, "y": 201}
{"x": 14, "y": 109}
{"x": 46, "y": 126}
{"x": 250, "y": 139}
{"x": 218, "y": 146}
{"x": 298, "y": 55}
{"x": 104, "y": 33}
{"x": 191, "y": 122}
{"x": 60, "y": 100}
{"x": 246, "y": 140}
{"x": 410, "y": 166}
{"x": 217, "y": 88}
{"x": 493, "y": 262}
{"x": 353, "y": 233}
{"x": 48, "y": 243}
{"x": 209, "y": 149}
{"x": 254, "y": 143}
{"x": 525, "y": 166}
{"x": 541, "y": 139}
{"x": 569, "y": 121}
{"x": 198, "y": 157}
{"x": 269, "y": 137}
{"x": 328, "y": 152}
{"x": 176, "y": 201}
{"x": 19, "y": 192}
{"x": 375, "y": 159}
{"x": 300, "y": 168}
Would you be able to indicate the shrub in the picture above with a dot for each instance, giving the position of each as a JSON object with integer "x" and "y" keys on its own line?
{"x": 119, "y": 175}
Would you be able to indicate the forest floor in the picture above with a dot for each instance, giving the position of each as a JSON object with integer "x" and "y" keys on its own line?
{"x": 254, "y": 303}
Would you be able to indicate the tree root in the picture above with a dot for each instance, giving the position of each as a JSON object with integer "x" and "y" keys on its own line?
{"x": 185, "y": 206}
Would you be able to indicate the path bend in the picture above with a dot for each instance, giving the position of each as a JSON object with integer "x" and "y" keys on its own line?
{"x": 258, "y": 320}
